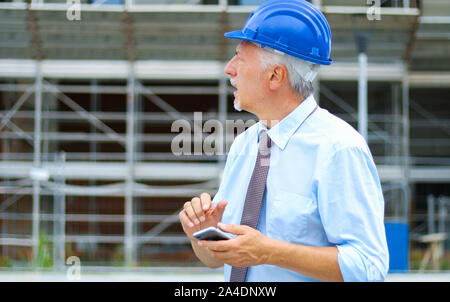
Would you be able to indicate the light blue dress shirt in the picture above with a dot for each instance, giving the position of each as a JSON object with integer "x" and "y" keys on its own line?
{"x": 322, "y": 189}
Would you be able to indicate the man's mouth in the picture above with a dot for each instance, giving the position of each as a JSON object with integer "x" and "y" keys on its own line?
{"x": 233, "y": 83}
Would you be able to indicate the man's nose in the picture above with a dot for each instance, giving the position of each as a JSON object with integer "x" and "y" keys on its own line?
{"x": 229, "y": 68}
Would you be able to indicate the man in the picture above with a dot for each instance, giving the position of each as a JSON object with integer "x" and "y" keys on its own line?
{"x": 319, "y": 214}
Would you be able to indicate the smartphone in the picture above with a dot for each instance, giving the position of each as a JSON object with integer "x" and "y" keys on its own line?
{"x": 211, "y": 233}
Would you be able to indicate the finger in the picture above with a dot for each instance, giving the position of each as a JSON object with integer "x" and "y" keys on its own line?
{"x": 184, "y": 219}
{"x": 190, "y": 213}
{"x": 216, "y": 246}
{"x": 197, "y": 206}
{"x": 234, "y": 228}
{"x": 220, "y": 208}
{"x": 223, "y": 257}
{"x": 206, "y": 201}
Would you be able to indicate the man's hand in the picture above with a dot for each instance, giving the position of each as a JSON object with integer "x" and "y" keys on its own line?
{"x": 200, "y": 213}
{"x": 248, "y": 248}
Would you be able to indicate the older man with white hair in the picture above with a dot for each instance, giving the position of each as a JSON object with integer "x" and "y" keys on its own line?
{"x": 300, "y": 192}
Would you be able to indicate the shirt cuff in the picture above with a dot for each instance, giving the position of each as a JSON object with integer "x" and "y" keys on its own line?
{"x": 355, "y": 268}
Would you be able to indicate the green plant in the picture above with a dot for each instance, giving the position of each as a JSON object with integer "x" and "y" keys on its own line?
{"x": 44, "y": 256}
{"x": 5, "y": 261}
{"x": 117, "y": 256}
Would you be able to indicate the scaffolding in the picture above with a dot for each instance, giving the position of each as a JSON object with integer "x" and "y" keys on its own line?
{"x": 87, "y": 109}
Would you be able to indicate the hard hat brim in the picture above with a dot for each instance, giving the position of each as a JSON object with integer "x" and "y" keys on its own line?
{"x": 237, "y": 34}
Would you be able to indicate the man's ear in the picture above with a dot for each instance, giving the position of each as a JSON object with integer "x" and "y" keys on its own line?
{"x": 278, "y": 76}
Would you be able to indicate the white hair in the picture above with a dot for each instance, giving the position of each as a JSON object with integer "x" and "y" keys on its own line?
{"x": 301, "y": 73}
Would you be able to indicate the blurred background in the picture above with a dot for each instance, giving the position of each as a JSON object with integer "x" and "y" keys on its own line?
{"x": 89, "y": 91}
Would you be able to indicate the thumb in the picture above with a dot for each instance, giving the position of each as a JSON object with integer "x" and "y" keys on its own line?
{"x": 233, "y": 228}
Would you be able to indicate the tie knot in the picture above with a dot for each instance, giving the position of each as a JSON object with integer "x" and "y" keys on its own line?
{"x": 264, "y": 142}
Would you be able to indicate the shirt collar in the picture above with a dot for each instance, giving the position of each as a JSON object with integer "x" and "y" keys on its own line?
{"x": 282, "y": 131}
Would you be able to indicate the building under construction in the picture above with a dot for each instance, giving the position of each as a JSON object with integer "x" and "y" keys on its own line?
{"x": 90, "y": 90}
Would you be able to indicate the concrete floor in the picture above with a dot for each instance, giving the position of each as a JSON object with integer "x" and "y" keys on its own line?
{"x": 173, "y": 275}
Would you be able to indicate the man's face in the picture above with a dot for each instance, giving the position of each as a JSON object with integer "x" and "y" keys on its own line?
{"x": 244, "y": 70}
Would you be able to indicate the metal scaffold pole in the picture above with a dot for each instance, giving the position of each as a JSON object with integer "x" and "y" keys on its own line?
{"x": 405, "y": 143}
{"x": 130, "y": 254}
{"x": 59, "y": 214}
{"x": 223, "y": 117}
{"x": 362, "y": 42}
{"x": 37, "y": 160}
{"x": 362, "y": 95}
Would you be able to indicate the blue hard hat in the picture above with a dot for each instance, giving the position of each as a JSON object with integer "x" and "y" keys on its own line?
{"x": 295, "y": 27}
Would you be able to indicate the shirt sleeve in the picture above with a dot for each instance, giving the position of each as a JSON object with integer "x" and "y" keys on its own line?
{"x": 351, "y": 207}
